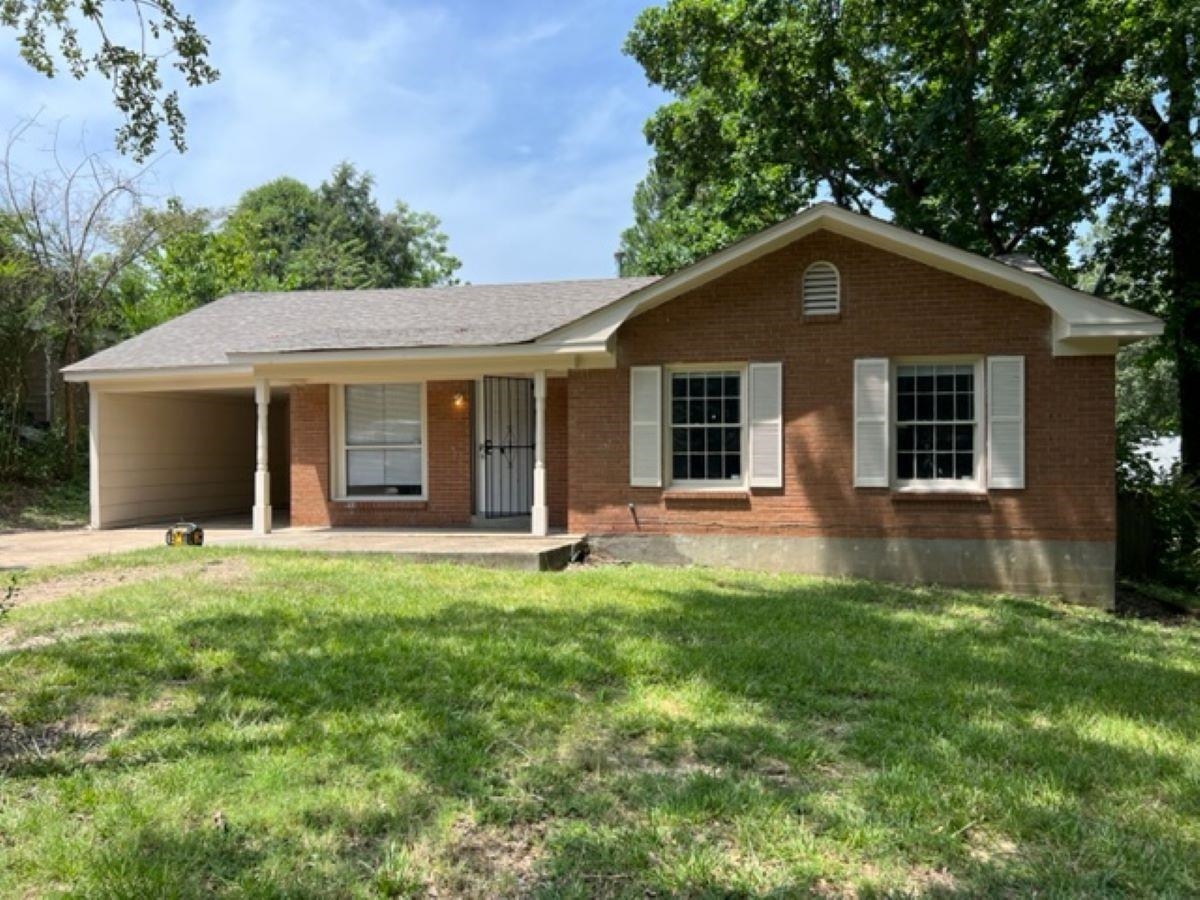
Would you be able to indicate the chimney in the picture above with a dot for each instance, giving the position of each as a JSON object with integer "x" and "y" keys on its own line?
{"x": 619, "y": 256}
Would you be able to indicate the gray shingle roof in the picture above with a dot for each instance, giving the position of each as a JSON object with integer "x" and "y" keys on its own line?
{"x": 460, "y": 316}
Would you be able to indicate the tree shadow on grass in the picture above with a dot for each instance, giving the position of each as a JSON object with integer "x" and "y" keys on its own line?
{"x": 887, "y": 727}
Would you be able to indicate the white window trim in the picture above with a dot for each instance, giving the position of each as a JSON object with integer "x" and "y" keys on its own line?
{"x": 670, "y": 482}
{"x": 978, "y": 483}
{"x": 337, "y": 451}
{"x": 837, "y": 274}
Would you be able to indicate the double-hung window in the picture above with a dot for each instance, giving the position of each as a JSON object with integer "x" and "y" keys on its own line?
{"x": 706, "y": 425}
{"x": 937, "y": 424}
{"x": 382, "y": 445}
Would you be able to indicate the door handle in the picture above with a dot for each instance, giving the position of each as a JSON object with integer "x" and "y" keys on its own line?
{"x": 486, "y": 448}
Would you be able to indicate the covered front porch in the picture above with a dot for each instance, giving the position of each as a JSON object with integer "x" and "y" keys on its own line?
{"x": 488, "y": 548}
{"x": 456, "y": 445}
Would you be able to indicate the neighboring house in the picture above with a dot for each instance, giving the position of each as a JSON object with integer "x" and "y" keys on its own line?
{"x": 831, "y": 395}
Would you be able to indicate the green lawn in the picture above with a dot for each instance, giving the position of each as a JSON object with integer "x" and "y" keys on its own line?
{"x": 275, "y": 724}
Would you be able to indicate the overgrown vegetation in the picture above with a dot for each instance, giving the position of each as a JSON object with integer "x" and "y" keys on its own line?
{"x": 222, "y": 724}
{"x": 87, "y": 258}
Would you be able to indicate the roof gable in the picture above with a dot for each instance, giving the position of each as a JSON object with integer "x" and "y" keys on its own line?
{"x": 1083, "y": 323}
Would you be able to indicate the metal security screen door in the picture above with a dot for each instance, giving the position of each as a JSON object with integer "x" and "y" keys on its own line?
{"x": 506, "y": 451}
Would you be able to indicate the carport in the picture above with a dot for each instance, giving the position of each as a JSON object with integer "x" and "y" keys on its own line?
{"x": 158, "y": 455}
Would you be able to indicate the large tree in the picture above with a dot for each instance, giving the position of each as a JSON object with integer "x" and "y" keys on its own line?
{"x": 991, "y": 125}
{"x": 126, "y": 42}
{"x": 284, "y": 235}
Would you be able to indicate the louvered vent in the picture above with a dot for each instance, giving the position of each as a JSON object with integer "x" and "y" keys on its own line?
{"x": 821, "y": 289}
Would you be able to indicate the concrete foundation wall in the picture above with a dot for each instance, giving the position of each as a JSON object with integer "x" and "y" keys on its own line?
{"x": 168, "y": 455}
{"x": 1080, "y": 571}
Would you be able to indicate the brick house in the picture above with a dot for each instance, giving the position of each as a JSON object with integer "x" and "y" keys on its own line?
{"x": 832, "y": 395}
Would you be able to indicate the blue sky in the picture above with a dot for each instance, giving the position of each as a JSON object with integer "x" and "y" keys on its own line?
{"x": 518, "y": 123}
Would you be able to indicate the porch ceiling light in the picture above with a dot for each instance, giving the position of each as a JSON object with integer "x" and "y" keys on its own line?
{"x": 459, "y": 400}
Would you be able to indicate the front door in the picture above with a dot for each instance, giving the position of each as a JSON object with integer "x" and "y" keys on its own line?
{"x": 507, "y": 430}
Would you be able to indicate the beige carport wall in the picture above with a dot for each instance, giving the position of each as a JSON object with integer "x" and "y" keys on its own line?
{"x": 172, "y": 445}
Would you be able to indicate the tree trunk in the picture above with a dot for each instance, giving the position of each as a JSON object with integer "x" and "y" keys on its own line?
{"x": 71, "y": 355}
{"x": 1184, "y": 222}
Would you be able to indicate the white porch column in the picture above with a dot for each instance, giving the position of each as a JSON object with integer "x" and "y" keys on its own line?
{"x": 540, "y": 519}
{"x": 94, "y": 413}
{"x": 262, "y": 475}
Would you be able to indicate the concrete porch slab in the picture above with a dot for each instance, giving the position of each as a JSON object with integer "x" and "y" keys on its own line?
{"x": 493, "y": 549}
{"x": 490, "y": 549}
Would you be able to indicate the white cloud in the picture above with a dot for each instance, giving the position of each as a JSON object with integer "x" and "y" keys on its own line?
{"x": 519, "y": 127}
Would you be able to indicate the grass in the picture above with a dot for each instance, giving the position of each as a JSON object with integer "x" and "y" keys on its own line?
{"x": 262, "y": 725}
{"x": 60, "y": 505}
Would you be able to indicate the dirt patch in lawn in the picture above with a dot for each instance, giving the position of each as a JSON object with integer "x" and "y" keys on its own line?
{"x": 222, "y": 571}
{"x": 24, "y": 743}
{"x": 489, "y": 860}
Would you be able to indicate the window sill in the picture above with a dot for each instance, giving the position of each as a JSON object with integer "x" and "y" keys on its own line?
{"x": 939, "y": 495}
{"x": 411, "y": 502}
{"x": 706, "y": 495}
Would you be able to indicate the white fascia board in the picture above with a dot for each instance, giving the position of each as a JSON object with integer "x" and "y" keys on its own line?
{"x": 163, "y": 379}
{"x": 385, "y": 354}
{"x": 1073, "y": 307}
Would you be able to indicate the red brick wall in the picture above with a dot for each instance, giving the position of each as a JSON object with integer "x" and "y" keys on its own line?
{"x": 556, "y": 451}
{"x": 891, "y": 307}
{"x": 448, "y": 433}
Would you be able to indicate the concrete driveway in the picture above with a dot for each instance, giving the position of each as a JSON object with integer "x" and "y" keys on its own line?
{"x": 32, "y": 549}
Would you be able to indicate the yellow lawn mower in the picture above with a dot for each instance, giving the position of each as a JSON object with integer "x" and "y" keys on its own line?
{"x": 185, "y": 534}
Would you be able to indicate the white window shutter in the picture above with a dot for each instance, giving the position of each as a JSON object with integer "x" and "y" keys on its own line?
{"x": 872, "y": 392}
{"x": 1006, "y": 421}
{"x": 645, "y": 426}
{"x": 766, "y": 425}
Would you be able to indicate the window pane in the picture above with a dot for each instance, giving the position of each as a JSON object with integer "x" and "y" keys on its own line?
{"x": 364, "y": 467}
{"x": 945, "y": 465}
{"x": 679, "y": 465}
{"x": 941, "y": 394}
{"x": 945, "y": 408}
{"x": 924, "y": 437}
{"x": 964, "y": 406}
{"x": 965, "y": 465}
{"x": 706, "y": 437}
{"x": 402, "y": 467}
{"x": 364, "y": 414}
{"x": 924, "y": 465}
{"x": 383, "y": 414}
